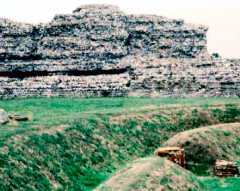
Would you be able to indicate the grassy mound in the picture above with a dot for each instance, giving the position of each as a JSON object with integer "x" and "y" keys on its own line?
{"x": 75, "y": 144}
{"x": 152, "y": 173}
{"x": 205, "y": 145}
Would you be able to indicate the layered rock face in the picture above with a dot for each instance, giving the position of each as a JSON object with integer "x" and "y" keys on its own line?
{"x": 184, "y": 77}
{"x": 100, "y": 51}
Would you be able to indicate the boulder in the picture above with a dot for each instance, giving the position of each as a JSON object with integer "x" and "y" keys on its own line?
{"x": 3, "y": 116}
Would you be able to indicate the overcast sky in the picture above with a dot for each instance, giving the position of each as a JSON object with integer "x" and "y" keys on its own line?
{"x": 222, "y": 16}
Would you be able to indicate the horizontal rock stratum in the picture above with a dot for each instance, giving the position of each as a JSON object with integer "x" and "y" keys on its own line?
{"x": 100, "y": 51}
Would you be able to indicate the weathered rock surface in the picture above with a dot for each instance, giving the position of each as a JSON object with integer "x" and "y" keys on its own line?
{"x": 184, "y": 77}
{"x": 98, "y": 50}
{"x": 3, "y": 116}
{"x": 60, "y": 85}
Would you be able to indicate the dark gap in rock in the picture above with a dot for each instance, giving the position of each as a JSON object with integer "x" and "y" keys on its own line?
{"x": 27, "y": 74}
{"x": 227, "y": 83}
{"x": 6, "y": 58}
{"x": 106, "y": 93}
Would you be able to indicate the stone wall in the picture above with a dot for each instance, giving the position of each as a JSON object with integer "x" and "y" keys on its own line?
{"x": 100, "y": 51}
{"x": 59, "y": 85}
{"x": 185, "y": 77}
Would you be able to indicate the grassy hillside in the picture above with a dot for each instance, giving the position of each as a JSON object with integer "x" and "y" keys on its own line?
{"x": 152, "y": 173}
{"x": 203, "y": 146}
{"x": 75, "y": 144}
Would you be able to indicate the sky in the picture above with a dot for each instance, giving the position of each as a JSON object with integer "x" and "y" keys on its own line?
{"x": 221, "y": 16}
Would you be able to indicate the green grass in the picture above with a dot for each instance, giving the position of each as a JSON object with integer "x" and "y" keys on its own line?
{"x": 222, "y": 184}
{"x": 98, "y": 137}
{"x": 52, "y": 111}
{"x": 49, "y": 112}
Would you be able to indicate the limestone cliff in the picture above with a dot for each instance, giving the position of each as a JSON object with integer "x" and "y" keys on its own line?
{"x": 100, "y": 51}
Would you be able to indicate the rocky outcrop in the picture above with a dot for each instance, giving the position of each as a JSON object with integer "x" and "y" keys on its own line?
{"x": 100, "y": 51}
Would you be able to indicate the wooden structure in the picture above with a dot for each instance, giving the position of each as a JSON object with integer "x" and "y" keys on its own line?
{"x": 174, "y": 154}
{"x": 224, "y": 168}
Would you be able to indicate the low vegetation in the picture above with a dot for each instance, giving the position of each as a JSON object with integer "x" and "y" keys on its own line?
{"x": 76, "y": 144}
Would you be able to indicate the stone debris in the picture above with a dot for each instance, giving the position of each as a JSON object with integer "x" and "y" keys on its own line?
{"x": 224, "y": 168}
{"x": 17, "y": 117}
{"x": 99, "y": 50}
{"x": 174, "y": 154}
{"x": 3, "y": 116}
